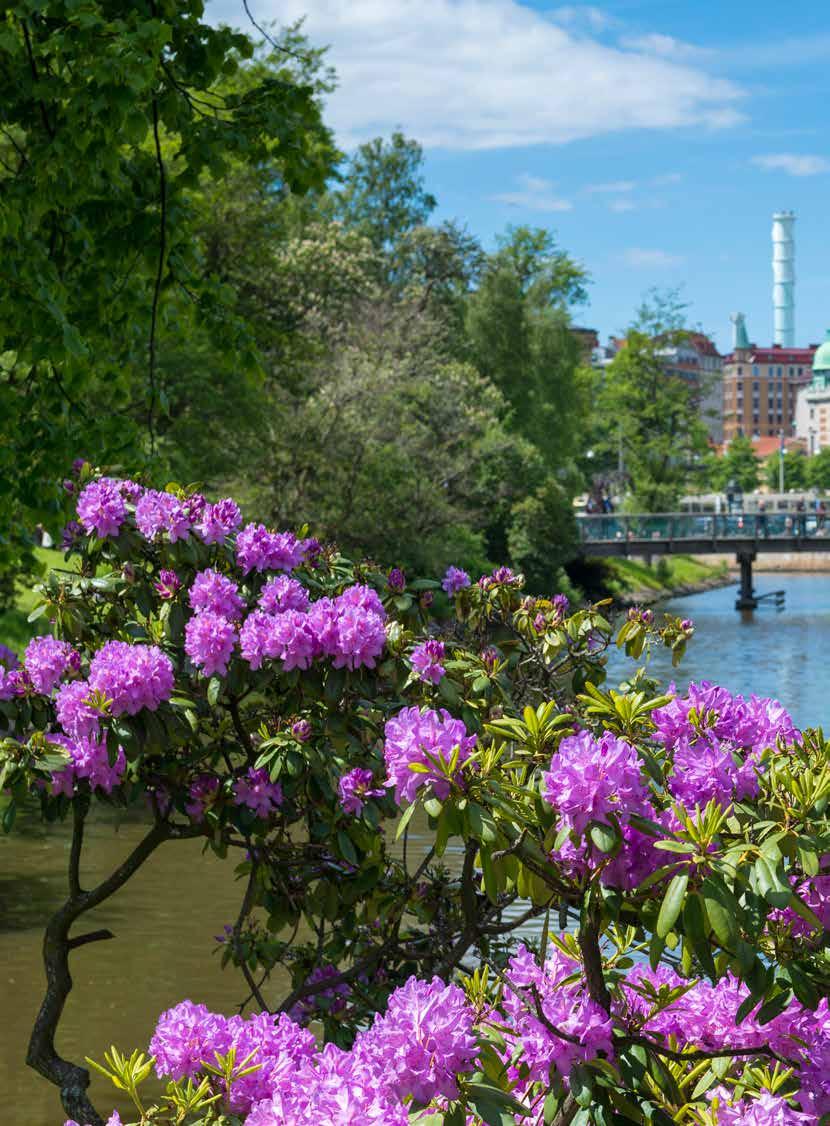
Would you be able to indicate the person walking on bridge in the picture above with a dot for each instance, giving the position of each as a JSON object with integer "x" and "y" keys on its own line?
{"x": 762, "y": 519}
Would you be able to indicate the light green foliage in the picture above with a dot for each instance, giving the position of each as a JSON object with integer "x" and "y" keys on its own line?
{"x": 797, "y": 474}
{"x": 818, "y": 469}
{"x": 112, "y": 116}
{"x": 653, "y": 416}
{"x": 520, "y": 337}
{"x": 383, "y": 193}
{"x": 739, "y": 463}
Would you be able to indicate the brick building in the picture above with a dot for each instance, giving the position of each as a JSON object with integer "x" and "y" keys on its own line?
{"x": 760, "y": 389}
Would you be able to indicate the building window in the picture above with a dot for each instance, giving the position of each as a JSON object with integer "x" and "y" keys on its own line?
{"x": 755, "y": 385}
{"x": 756, "y": 370}
{"x": 801, "y": 371}
{"x": 780, "y": 372}
{"x": 791, "y": 371}
{"x": 740, "y": 369}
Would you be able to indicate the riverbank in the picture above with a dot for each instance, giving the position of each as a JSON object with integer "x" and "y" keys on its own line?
{"x": 793, "y": 562}
{"x": 631, "y": 582}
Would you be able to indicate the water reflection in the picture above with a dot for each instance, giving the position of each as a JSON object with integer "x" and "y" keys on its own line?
{"x": 781, "y": 653}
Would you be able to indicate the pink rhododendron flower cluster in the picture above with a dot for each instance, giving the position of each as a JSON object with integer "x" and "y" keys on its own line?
{"x": 717, "y": 739}
{"x": 74, "y": 713}
{"x": 766, "y": 1110}
{"x": 256, "y": 790}
{"x": 131, "y": 676}
{"x": 157, "y": 513}
{"x": 102, "y": 508}
{"x": 202, "y": 792}
{"x": 167, "y": 584}
{"x": 422, "y": 1041}
{"x": 257, "y": 549}
{"x": 308, "y": 1007}
{"x": 426, "y": 661}
{"x": 566, "y": 1007}
{"x": 454, "y": 580}
{"x": 414, "y": 735}
{"x": 706, "y": 1017}
{"x": 47, "y": 661}
{"x": 217, "y": 593}
{"x": 209, "y": 641}
{"x": 590, "y": 779}
{"x": 218, "y": 521}
{"x": 355, "y": 787}
{"x": 88, "y": 761}
{"x": 350, "y": 629}
{"x": 283, "y": 593}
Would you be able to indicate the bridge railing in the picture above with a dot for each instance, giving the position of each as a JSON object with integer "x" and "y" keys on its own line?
{"x": 674, "y": 526}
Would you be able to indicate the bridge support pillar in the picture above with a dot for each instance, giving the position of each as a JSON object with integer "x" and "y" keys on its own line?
{"x": 746, "y": 599}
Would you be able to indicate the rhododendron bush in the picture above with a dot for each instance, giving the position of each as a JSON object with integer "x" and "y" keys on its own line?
{"x": 635, "y": 928}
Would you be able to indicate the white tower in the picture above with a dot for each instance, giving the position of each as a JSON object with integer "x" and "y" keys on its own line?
{"x": 783, "y": 278}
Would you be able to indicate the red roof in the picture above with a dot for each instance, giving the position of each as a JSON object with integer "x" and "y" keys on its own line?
{"x": 703, "y": 344}
{"x": 774, "y": 355}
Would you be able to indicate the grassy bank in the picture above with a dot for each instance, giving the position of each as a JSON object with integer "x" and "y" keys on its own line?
{"x": 15, "y": 631}
{"x": 631, "y": 580}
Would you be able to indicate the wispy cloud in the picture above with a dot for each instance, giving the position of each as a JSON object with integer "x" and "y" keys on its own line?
{"x": 642, "y": 259}
{"x": 667, "y": 47}
{"x": 620, "y": 205}
{"x": 490, "y": 74}
{"x": 613, "y": 186}
{"x": 666, "y": 179}
{"x": 582, "y": 15}
{"x": 793, "y": 164}
{"x": 533, "y": 194}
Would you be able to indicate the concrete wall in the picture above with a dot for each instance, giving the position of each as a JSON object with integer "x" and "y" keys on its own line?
{"x": 785, "y": 561}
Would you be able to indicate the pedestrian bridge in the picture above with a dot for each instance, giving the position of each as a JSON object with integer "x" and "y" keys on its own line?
{"x": 747, "y": 535}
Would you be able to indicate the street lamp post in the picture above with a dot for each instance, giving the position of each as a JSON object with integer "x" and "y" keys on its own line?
{"x": 782, "y": 449}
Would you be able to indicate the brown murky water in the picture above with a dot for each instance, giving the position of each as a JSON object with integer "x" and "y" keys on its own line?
{"x": 164, "y": 920}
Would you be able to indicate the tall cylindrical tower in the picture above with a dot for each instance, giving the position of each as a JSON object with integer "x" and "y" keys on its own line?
{"x": 783, "y": 277}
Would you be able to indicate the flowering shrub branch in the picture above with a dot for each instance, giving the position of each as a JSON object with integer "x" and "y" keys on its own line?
{"x": 256, "y": 689}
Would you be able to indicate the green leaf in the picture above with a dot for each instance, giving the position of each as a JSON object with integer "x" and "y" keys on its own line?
{"x": 672, "y": 903}
{"x": 347, "y": 849}
{"x": 696, "y": 931}
{"x": 495, "y": 1106}
{"x": 722, "y": 909}
{"x": 406, "y": 817}
{"x": 773, "y": 1007}
{"x": 603, "y": 836}
{"x": 214, "y": 690}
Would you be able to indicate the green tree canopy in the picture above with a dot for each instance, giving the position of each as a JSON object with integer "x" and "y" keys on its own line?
{"x": 739, "y": 463}
{"x": 653, "y": 415}
{"x": 520, "y": 337}
{"x": 113, "y": 115}
{"x": 383, "y": 192}
{"x": 796, "y": 471}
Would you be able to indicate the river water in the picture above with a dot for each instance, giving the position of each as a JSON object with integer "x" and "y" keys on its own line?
{"x": 165, "y": 918}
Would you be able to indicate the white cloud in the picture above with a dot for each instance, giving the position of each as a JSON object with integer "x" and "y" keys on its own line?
{"x": 620, "y": 205}
{"x": 641, "y": 259}
{"x": 582, "y": 15}
{"x": 666, "y": 47}
{"x": 667, "y": 178}
{"x": 792, "y": 163}
{"x": 489, "y": 74}
{"x": 533, "y": 194}
{"x": 614, "y": 186}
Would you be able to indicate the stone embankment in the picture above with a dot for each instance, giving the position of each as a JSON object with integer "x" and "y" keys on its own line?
{"x": 804, "y": 561}
{"x": 649, "y": 596}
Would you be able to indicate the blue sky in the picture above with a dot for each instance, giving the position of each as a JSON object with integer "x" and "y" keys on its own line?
{"x": 655, "y": 139}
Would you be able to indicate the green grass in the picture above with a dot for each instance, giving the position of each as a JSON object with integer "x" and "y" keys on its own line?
{"x": 624, "y": 576}
{"x": 15, "y": 630}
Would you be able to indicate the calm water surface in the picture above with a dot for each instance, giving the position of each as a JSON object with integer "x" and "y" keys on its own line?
{"x": 781, "y": 653}
{"x": 165, "y": 917}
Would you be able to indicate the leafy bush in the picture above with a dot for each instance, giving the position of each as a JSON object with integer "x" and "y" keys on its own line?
{"x": 259, "y": 691}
